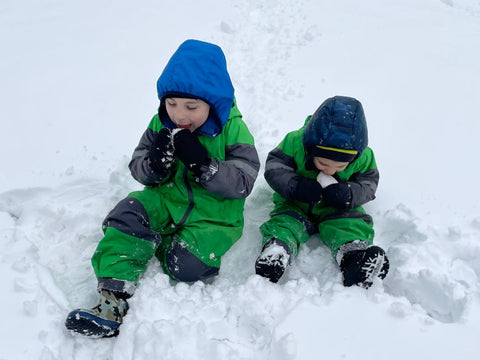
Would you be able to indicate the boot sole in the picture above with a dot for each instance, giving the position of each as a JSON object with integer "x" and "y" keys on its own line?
{"x": 89, "y": 325}
{"x": 374, "y": 267}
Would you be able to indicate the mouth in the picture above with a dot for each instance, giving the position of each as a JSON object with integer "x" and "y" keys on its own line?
{"x": 184, "y": 126}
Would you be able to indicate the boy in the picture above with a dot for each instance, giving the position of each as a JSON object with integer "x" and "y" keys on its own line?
{"x": 198, "y": 162}
{"x": 322, "y": 174}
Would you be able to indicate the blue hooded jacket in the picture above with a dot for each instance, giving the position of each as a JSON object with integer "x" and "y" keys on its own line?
{"x": 198, "y": 70}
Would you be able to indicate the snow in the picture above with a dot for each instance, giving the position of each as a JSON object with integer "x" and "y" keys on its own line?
{"x": 78, "y": 90}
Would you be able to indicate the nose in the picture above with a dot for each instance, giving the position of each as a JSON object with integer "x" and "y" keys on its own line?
{"x": 181, "y": 117}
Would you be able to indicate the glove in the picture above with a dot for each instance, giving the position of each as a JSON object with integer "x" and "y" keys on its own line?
{"x": 190, "y": 151}
{"x": 308, "y": 190}
{"x": 338, "y": 195}
{"x": 161, "y": 152}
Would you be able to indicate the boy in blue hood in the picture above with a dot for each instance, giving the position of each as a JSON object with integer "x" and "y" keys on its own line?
{"x": 198, "y": 163}
{"x": 322, "y": 174}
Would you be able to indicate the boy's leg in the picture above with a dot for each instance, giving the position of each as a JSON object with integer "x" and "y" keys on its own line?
{"x": 182, "y": 265}
{"x": 194, "y": 252}
{"x": 349, "y": 235}
{"x": 121, "y": 256}
{"x": 129, "y": 241}
{"x": 282, "y": 236}
{"x": 291, "y": 227}
{"x": 344, "y": 226}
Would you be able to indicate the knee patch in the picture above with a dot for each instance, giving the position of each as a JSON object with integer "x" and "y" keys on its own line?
{"x": 182, "y": 265}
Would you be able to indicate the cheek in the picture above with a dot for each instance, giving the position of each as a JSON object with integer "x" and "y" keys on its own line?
{"x": 200, "y": 118}
{"x": 318, "y": 166}
{"x": 170, "y": 113}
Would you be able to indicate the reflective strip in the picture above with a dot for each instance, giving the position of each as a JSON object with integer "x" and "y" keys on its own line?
{"x": 350, "y": 246}
{"x": 352, "y": 152}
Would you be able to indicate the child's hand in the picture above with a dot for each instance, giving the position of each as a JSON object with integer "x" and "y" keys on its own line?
{"x": 308, "y": 190}
{"x": 161, "y": 152}
{"x": 190, "y": 151}
{"x": 338, "y": 195}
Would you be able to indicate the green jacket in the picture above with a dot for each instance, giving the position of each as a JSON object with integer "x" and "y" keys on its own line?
{"x": 215, "y": 199}
{"x": 287, "y": 162}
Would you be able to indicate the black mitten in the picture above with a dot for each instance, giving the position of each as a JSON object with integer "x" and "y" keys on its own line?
{"x": 308, "y": 190}
{"x": 338, "y": 195}
{"x": 161, "y": 152}
{"x": 190, "y": 151}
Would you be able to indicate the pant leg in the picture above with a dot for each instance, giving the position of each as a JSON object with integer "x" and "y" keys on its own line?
{"x": 181, "y": 265}
{"x": 291, "y": 227}
{"x": 128, "y": 244}
{"x": 343, "y": 226}
{"x": 194, "y": 252}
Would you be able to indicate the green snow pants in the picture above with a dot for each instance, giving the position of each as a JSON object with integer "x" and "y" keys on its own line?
{"x": 335, "y": 227}
{"x": 141, "y": 227}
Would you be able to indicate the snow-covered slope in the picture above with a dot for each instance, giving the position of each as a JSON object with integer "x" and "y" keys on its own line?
{"x": 78, "y": 90}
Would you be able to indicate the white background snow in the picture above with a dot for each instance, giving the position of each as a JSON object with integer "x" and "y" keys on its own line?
{"x": 78, "y": 90}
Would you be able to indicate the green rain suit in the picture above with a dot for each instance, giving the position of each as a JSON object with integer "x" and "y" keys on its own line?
{"x": 188, "y": 222}
{"x": 338, "y": 123}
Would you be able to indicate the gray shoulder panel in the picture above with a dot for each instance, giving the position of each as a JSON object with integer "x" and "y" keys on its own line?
{"x": 233, "y": 178}
{"x": 280, "y": 173}
{"x": 364, "y": 186}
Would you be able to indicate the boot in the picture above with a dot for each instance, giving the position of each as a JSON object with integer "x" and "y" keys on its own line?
{"x": 101, "y": 321}
{"x": 273, "y": 260}
{"x": 360, "y": 267}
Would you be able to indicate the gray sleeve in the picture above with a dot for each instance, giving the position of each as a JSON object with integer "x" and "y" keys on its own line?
{"x": 234, "y": 177}
{"x": 280, "y": 173}
{"x": 363, "y": 187}
{"x": 140, "y": 163}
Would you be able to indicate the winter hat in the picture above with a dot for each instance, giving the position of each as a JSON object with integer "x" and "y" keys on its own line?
{"x": 337, "y": 130}
{"x": 332, "y": 153}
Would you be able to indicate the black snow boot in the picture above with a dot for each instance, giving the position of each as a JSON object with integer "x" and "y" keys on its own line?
{"x": 360, "y": 267}
{"x": 101, "y": 321}
{"x": 273, "y": 260}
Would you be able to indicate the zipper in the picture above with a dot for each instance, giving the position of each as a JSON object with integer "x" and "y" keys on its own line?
{"x": 190, "y": 197}
{"x": 310, "y": 210}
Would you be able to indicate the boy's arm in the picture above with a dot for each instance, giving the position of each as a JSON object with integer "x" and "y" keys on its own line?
{"x": 359, "y": 187}
{"x": 363, "y": 186}
{"x": 281, "y": 175}
{"x": 234, "y": 177}
{"x": 140, "y": 166}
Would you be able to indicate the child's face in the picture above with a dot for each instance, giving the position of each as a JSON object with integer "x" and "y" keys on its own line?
{"x": 329, "y": 167}
{"x": 187, "y": 113}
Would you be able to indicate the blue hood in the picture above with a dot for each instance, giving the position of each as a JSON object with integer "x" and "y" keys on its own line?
{"x": 338, "y": 123}
{"x": 198, "y": 70}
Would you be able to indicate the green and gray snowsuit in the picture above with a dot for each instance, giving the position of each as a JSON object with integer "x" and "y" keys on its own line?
{"x": 294, "y": 221}
{"x": 188, "y": 222}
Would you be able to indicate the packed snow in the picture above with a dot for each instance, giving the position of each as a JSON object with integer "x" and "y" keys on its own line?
{"x": 77, "y": 92}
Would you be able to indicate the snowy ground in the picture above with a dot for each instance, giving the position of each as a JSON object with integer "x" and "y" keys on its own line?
{"x": 78, "y": 90}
